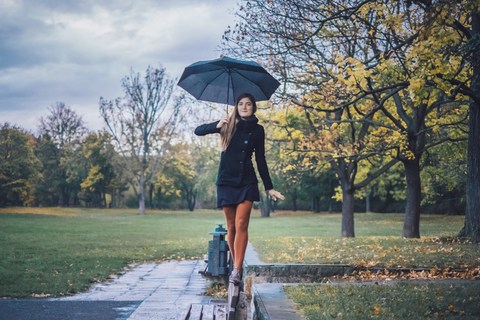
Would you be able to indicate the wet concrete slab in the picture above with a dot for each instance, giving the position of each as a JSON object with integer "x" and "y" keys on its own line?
{"x": 175, "y": 295}
{"x": 261, "y": 272}
{"x": 147, "y": 291}
{"x": 22, "y": 309}
{"x": 270, "y": 303}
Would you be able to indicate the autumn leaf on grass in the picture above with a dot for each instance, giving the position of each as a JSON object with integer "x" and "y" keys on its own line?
{"x": 376, "y": 309}
{"x": 451, "y": 308}
{"x": 361, "y": 263}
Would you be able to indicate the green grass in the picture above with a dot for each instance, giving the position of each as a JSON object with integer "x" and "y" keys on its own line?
{"x": 377, "y": 243}
{"x": 393, "y": 252}
{"x": 396, "y": 301}
{"x": 60, "y": 255}
{"x": 61, "y": 251}
{"x": 305, "y": 224}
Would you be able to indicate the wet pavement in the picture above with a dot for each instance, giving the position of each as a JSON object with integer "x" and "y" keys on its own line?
{"x": 148, "y": 291}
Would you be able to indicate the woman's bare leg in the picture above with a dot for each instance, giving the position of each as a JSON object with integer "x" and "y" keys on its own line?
{"x": 242, "y": 219}
{"x": 230, "y": 217}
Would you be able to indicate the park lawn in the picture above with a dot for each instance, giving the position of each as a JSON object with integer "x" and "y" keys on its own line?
{"x": 402, "y": 300}
{"x": 64, "y": 253}
{"x": 60, "y": 251}
{"x": 377, "y": 243}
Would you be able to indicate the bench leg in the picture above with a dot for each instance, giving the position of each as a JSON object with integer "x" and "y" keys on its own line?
{"x": 233, "y": 294}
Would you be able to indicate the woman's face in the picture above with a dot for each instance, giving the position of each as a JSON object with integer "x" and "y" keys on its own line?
{"x": 245, "y": 108}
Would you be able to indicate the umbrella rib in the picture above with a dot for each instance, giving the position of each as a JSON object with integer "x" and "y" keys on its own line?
{"x": 233, "y": 92}
{"x": 212, "y": 81}
{"x": 249, "y": 81}
{"x": 252, "y": 78}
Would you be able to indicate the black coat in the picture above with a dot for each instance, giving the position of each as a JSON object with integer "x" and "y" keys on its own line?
{"x": 236, "y": 167}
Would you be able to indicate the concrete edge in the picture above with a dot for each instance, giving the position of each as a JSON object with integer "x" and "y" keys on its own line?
{"x": 311, "y": 272}
{"x": 259, "y": 312}
{"x": 271, "y": 303}
{"x": 258, "y": 271}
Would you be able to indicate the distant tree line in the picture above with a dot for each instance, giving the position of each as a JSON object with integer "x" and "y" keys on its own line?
{"x": 336, "y": 140}
{"x": 67, "y": 165}
{"x": 372, "y": 85}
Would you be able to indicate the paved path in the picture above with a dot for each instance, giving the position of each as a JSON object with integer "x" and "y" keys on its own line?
{"x": 149, "y": 291}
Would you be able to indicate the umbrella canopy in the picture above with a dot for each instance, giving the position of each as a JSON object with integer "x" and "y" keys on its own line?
{"x": 223, "y": 80}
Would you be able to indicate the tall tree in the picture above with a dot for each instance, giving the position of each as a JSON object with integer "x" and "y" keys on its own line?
{"x": 47, "y": 188}
{"x": 142, "y": 122}
{"x": 65, "y": 128}
{"x": 19, "y": 168}
{"x": 101, "y": 179}
{"x": 63, "y": 124}
{"x": 206, "y": 155}
{"x": 465, "y": 19}
{"x": 364, "y": 68}
{"x": 182, "y": 170}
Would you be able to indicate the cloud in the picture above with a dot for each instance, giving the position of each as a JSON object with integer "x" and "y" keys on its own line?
{"x": 77, "y": 51}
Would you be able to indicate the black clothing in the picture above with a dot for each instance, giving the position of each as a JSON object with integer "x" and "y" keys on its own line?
{"x": 236, "y": 167}
{"x": 228, "y": 195}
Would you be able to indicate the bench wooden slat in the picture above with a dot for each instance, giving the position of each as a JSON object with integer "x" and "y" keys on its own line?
{"x": 208, "y": 312}
{"x": 220, "y": 312}
{"x": 183, "y": 314}
{"x": 196, "y": 312}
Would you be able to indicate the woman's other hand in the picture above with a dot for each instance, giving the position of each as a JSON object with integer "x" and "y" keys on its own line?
{"x": 275, "y": 195}
{"x": 223, "y": 121}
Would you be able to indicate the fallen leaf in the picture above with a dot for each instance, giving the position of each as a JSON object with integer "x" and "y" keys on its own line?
{"x": 376, "y": 309}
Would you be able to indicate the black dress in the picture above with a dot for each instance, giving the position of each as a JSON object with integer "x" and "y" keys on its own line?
{"x": 237, "y": 180}
{"x": 229, "y": 195}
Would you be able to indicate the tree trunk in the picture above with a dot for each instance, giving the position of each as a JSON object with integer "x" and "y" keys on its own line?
{"x": 330, "y": 206}
{"x": 367, "y": 199}
{"x": 316, "y": 204}
{"x": 347, "y": 211}
{"x": 294, "y": 199}
{"x": 191, "y": 198}
{"x": 411, "y": 226}
{"x": 112, "y": 200}
{"x": 150, "y": 196}
{"x": 471, "y": 227}
{"x": 264, "y": 206}
{"x": 270, "y": 204}
{"x": 65, "y": 197}
{"x": 141, "y": 193}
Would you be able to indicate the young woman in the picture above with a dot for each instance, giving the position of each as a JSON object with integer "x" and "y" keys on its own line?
{"x": 237, "y": 184}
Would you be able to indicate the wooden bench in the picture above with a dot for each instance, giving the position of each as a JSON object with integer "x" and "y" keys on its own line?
{"x": 219, "y": 311}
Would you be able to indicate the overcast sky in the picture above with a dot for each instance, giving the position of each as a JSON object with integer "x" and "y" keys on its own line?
{"x": 76, "y": 51}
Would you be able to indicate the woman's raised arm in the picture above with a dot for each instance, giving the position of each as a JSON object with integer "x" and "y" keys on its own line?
{"x": 208, "y": 128}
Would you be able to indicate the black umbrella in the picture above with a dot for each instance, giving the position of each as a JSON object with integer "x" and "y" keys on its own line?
{"x": 223, "y": 80}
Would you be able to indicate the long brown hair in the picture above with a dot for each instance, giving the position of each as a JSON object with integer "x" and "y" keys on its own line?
{"x": 228, "y": 130}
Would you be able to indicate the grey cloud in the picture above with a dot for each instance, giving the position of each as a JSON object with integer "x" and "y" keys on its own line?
{"x": 43, "y": 60}
{"x": 19, "y": 39}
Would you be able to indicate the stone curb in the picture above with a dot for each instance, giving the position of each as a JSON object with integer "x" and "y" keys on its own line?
{"x": 259, "y": 312}
{"x": 260, "y": 272}
{"x": 269, "y": 302}
{"x": 258, "y": 275}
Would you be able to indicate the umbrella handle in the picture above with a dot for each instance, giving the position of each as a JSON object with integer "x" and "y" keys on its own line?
{"x": 228, "y": 88}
